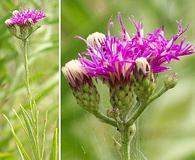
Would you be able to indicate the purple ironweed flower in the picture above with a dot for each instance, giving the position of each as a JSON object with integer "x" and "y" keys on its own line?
{"x": 114, "y": 58}
{"x": 25, "y": 17}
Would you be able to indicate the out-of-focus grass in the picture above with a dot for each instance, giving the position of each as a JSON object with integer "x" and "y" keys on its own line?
{"x": 167, "y": 127}
{"x": 43, "y": 59}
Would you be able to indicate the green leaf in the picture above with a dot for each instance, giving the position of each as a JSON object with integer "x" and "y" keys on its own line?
{"x": 54, "y": 147}
{"x": 21, "y": 148}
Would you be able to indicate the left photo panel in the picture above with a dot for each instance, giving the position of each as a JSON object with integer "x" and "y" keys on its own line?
{"x": 29, "y": 80}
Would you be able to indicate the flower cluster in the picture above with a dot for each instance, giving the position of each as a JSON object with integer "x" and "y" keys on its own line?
{"x": 128, "y": 64}
{"x": 25, "y": 17}
{"x": 23, "y": 23}
{"x": 115, "y": 58}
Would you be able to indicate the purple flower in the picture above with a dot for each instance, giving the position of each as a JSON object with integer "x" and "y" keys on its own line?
{"x": 25, "y": 17}
{"x": 115, "y": 58}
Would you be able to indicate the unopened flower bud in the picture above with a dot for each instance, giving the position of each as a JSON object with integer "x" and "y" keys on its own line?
{"x": 122, "y": 97}
{"x": 12, "y": 28}
{"x": 96, "y": 39}
{"x": 170, "y": 81}
{"x": 75, "y": 74}
{"x": 144, "y": 83}
{"x": 82, "y": 86}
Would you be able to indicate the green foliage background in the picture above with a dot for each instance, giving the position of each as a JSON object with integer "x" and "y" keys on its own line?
{"x": 167, "y": 127}
{"x": 43, "y": 59}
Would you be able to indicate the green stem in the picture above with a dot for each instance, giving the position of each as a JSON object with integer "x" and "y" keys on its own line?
{"x": 137, "y": 114}
{"x": 125, "y": 144}
{"x": 143, "y": 106}
{"x": 27, "y": 80}
{"x": 127, "y": 134}
{"x": 105, "y": 119}
{"x": 162, "y": 91}
{"x": 34, "y": 110}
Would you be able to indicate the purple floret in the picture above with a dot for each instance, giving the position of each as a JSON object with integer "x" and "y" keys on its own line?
{"x": 25, "y": 17}
{"x": 116, "y": 57}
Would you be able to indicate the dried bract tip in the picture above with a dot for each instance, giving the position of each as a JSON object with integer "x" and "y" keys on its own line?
{"x": 142, "y": 65}
{"x": 74, "y": 73}
{"x": 15, "y": 12}
{"x": 8, "y": 22}
{"x": 95, "y": 39}
{"x": 30, "y": 20}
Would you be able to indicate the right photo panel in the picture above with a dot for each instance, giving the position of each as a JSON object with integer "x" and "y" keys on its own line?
{"x": 127, "y": 84}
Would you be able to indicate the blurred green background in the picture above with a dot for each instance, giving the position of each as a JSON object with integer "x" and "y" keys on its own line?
{"x": 43, "y": 59}
{"x": 167, "y": 127}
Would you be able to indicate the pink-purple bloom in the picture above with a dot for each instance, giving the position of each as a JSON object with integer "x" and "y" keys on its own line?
{"x": 115, "y": 57}
{"x": 25, "y": 17}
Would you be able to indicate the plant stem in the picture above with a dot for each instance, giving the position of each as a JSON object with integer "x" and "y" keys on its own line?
{"x": 105, "y": 119}
{"x": 27, "y": 80}
{"x": 143, "y": 106}
{"x": 162, "y": 91}
{"x": 127, "y": 134}
{"x": 140, "y": 110}
{"x": 125, "y": 144}
{"x": 33, "y": 107}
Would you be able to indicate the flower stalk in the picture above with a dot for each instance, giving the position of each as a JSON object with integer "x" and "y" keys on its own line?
{"x": 105, "y": 119}
{"x": 26, "y": 65}
{"x": 127, "y": 134}
{"x": 32, "y": 104}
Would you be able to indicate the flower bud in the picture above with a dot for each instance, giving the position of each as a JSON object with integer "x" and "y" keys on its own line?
{"x": 144, "y": 89}
{"x": 82, "y": 86}
{"x": 144, "y": 83}
{"x": 170, "y": 81}
{"x": 122, "y": 97}
{"x": 12, "y": 28}
{"x": 95, "y": 39}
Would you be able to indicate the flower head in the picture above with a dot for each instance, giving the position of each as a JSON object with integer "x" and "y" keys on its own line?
{"x": 82, "y": 86}
{"x": 115, "y": 58}
{"x": 75, "y": 73}
{"x": 25, "y": 17}
{"x": 95, "y": 39}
